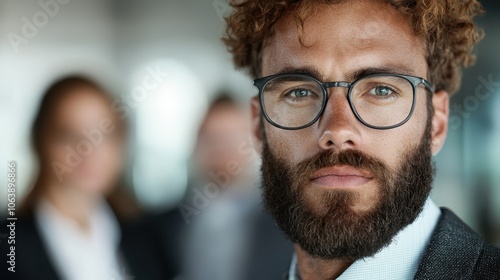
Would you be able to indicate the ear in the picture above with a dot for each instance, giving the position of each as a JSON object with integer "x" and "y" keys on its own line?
{"x": 441, "y": 103}
{"x": 256, "y": 124}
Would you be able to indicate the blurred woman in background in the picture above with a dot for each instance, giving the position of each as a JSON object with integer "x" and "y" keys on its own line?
{"x": 76, "y": 223}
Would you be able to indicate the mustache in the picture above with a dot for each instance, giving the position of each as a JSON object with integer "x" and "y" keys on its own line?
{"x": 349, "y": 157}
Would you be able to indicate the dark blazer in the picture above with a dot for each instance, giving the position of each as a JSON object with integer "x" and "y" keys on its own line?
{"x": 456, "y": 252}
{"x": 139, "y": 252}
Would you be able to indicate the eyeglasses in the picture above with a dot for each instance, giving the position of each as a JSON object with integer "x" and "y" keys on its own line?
{"x": 379, "y": 101}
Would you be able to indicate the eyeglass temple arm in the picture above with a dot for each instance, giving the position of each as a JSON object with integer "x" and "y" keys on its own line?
{"x": 427, "y": 85}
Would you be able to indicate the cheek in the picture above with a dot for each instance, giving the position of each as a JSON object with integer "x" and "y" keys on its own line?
{"x": 292, "y": 145}
{"x": 388, "y": 146}
{"x": 56, "y": 152}
{"x": 109, "y": 156}
{"x": 391, "y": 145}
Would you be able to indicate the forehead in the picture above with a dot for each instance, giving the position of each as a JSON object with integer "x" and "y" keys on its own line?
{"x": 83, "y": 106}
{"x": 339, "y": 40}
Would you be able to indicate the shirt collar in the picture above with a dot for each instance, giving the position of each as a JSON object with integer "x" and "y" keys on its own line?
{"x": 398, "y": 260}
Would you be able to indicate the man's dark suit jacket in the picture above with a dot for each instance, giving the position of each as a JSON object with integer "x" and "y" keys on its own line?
{"x": 139, "y": 251}
{"x": 456, "y": 252}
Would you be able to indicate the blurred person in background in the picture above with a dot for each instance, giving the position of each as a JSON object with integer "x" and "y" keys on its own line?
{"x": 78, "y": 222}
{"x": 227, "y": 236}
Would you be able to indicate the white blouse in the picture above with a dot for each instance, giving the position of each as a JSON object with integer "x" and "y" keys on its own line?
{"x": 78, "y": 255}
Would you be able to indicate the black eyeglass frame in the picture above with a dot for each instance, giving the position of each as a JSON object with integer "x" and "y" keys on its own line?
{"x": 413, "y": 80}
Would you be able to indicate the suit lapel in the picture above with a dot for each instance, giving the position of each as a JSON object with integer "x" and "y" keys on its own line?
{"x": 33, "y": 261}
{"x": 452, "y": 252}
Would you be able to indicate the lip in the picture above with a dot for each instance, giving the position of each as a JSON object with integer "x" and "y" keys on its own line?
{"x": 342, "y": 176}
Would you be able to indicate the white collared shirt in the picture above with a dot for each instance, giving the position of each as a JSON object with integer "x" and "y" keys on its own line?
{"x": 400, "y": 259}
{"x": 78, "y": 255}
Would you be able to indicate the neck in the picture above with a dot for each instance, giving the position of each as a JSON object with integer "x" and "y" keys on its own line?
{"x": 314, "y": 268}
{"x": 72, "y": 203}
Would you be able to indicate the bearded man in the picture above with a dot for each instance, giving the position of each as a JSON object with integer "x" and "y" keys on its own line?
{"x": 353, "y": 104}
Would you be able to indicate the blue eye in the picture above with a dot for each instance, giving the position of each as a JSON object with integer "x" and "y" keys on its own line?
{"x": 381, "y": 91}
{"x": 298, "y": 93}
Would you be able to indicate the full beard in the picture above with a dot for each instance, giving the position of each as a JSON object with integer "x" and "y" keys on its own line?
{"x": 337, "y": 231}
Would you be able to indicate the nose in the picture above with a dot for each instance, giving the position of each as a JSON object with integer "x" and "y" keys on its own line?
{"x": 339, "y": 127}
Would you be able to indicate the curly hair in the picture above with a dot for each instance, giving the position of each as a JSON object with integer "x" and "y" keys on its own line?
{"x": 446, "y": 26}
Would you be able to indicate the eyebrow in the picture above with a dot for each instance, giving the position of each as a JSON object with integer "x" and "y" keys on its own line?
{"x": 350, "y": 77}
{"x": 313, "y": 72}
